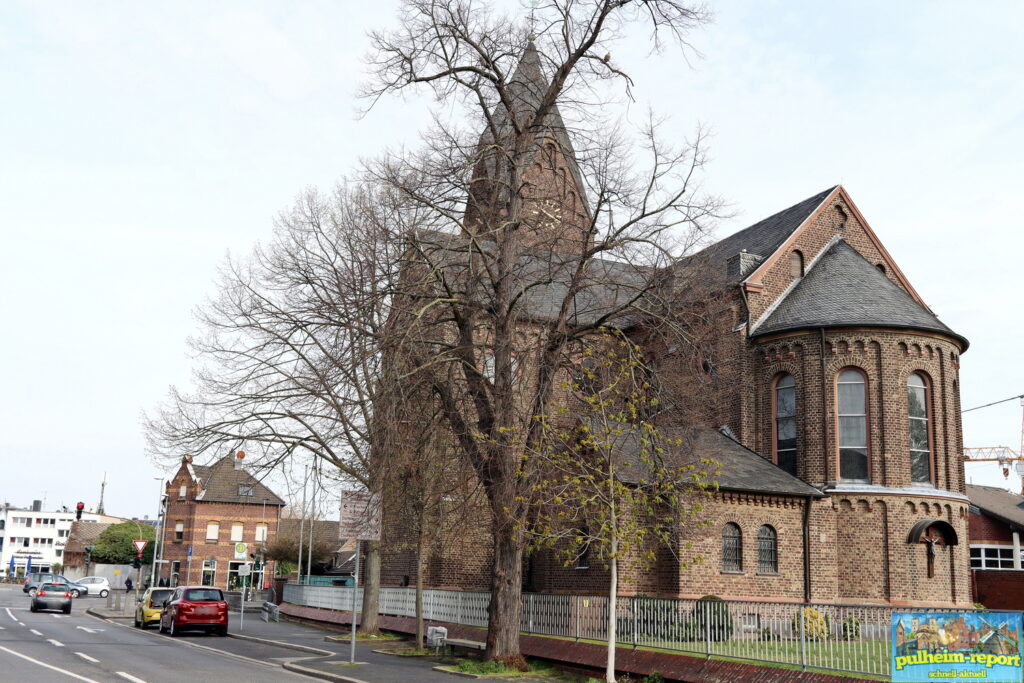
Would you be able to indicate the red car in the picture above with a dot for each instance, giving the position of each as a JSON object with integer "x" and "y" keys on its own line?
{"x": 195, "y": 607}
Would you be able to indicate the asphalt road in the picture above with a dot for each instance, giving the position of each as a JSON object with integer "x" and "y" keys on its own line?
{"x": 50, "y": 646}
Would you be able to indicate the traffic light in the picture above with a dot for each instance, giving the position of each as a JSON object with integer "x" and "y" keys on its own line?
{"x": 88, "y": 554}
{"x": 137, "y": 562}
{"x": 78, "y": 510}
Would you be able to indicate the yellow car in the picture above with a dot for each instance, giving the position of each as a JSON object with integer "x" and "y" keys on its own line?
{"x": 147, "y": 611}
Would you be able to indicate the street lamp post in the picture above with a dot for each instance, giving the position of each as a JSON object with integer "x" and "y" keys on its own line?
{"x": 161, "y": 516}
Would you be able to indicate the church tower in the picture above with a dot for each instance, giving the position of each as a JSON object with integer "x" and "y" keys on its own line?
{"x": 554, "y": 214}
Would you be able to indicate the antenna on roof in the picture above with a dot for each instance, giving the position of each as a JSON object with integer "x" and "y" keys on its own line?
{"x": 531, "y": 36}
{"x": 103, "y": 489}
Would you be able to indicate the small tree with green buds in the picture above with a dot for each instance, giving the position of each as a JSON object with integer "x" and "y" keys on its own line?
{"x": 615, "y": 484}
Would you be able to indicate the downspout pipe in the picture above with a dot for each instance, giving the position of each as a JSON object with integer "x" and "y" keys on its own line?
{"x": 807, "y": 548}
{"x": 825, "y": 450}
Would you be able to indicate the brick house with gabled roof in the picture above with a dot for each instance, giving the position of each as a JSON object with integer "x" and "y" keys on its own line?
{"x": 822, "y": 362}
{"x": 211, "y": 509}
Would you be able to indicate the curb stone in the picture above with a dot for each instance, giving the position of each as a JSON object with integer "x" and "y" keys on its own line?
{"x": 316, "y": 673}
{"x": 284, "y": 644}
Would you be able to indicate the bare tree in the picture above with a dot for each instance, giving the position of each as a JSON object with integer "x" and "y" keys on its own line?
{"x": 291, "y": 350}
{"x": 540, "y": 234}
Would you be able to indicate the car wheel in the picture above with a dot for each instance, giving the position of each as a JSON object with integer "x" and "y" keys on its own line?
{"x": 103, "y": 593}
{"x": 32, "y": 608}
{"x": 160, "y": 626}
{"x": 75, "y": 593}
{"x": 222, "y": 631}
{"x": 32, "y": 592}
{"x": 138, "y": 624}
{"x": 171, "y": 630}
{"x": 67, "y": 610}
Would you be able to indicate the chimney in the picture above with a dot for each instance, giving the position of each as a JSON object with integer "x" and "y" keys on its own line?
{"x": 739, "y": 265}
{"x": 37, "y": 506}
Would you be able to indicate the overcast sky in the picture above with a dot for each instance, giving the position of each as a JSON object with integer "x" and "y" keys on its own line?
{"x": 141, "y": 142}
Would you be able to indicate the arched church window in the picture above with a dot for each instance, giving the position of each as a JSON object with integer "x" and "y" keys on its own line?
{"x": 767, "y": 550}
{"x": 852, "y": 414}
{"x": 732, "y": 548}
{"x": 784, "y": 440}
{"x": 918, "y": 409}
{"x": 796, "y": 264}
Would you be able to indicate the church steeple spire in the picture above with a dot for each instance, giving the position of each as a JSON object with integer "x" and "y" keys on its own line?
{"x": 555, "y": 211}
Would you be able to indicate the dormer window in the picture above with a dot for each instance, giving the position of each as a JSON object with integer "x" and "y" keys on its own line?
{"x": 244, "y": 490}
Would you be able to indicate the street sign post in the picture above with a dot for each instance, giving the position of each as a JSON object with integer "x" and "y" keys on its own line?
{"x": 360, "y": 519}
{"x": 140, "y": 546}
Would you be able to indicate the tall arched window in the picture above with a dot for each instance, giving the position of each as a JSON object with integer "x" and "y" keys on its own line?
{"x": 918, "y": 408}
{"x": 767, "y": 550}
{"x": 732, "y": 548}
{"x": 852, "y": 413}
{"x": 785, "y": 423}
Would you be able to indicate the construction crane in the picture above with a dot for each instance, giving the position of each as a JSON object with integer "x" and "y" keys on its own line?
{"x": 1004, "y": 455}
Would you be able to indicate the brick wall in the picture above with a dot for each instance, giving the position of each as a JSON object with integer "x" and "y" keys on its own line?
{"x": 999, "y": 589}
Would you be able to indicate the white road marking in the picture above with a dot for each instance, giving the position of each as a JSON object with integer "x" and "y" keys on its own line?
{"x": 129, "y": 677}
{"x": 2, "y": 628}
{"x": 21, "y": 623}
{"x": 57, "y": 616}
{"x": 48, "y": 666}
{"x": 35, "y": 632}
{"x": 55, "y": 643}
{"x": 90, "y": 630}
{"x": 11, "y": 614}
{"x": 88, "y": 658}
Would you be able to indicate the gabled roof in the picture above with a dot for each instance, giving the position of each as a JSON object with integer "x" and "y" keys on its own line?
{"x": 760, "y": 239}
{"x": 999, "y": 503}
{"x": 843, "y": 289}
{"x": 221, "y": 483}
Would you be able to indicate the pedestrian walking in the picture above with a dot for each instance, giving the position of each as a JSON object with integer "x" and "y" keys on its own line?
{"x": 128, "y": 584}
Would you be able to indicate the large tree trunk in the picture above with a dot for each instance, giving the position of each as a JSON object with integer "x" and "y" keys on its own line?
{"x": 504, "y": 612}
{"x": 370, "y": 619}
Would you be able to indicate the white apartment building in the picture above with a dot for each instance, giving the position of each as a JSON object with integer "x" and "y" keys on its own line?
{"x": 33, "y": 533}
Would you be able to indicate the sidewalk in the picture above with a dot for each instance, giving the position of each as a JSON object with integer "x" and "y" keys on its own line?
{"x": 313, "y": 655}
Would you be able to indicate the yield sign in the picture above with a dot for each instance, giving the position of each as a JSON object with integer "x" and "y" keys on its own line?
{"x": 140, "y": 546}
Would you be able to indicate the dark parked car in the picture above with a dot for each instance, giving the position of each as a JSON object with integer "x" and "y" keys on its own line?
{"x": 195, "y": 607}
{"x": 51, "y": 596}
{"x": 35, "y": 579}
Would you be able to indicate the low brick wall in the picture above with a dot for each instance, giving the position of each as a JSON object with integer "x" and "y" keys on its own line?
{"x": 590, "y": 656}
{"x": 999, "y": 589}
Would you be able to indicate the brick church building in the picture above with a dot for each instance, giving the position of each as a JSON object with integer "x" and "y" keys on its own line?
{"x": 835, "y": 419}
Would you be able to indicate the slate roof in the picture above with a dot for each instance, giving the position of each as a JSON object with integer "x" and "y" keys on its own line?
{"x": 221, "y": 481}
{"x": 739, "y": 468}
{"x": 82, "y": 534}
{"x": 525, "y": 90}
{"x": 999, "y": 503}
{"x": 843, "y": 289}
{"x": 761, "y": 239}
{"x": 325, "y": 531}
{"x": 541, "y": 279}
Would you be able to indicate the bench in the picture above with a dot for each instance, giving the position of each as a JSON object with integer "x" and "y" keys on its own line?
{"x": 451, "y": 643}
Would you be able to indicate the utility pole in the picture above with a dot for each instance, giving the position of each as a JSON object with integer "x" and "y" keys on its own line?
{"x": 312, "y": 522}
{"x": 302, "y": 519}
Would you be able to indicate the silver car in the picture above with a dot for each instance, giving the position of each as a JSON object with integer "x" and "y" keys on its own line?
{"x": 97, "y": 585}
{"x": 52, "y": 596}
